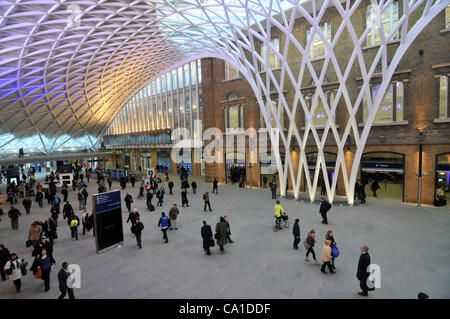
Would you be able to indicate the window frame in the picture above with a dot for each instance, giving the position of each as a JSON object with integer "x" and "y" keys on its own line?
{"x": 263, "y": 50}
{"x": 392, "y": 22}
{"x": 329, "y": 36}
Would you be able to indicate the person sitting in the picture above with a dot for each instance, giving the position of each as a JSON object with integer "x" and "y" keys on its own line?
{"x": 440, "y": 197}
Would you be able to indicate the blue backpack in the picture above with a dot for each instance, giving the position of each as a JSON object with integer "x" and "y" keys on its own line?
{"x": 334, "y": 251}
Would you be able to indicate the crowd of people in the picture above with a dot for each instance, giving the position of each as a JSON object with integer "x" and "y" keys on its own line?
{"x": 42, "y": 234}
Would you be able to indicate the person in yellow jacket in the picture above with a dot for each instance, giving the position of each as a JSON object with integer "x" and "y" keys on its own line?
{"x": 278, "y": 211}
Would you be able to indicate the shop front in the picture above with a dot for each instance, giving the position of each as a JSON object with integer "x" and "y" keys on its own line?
{"x": 184, "y": 160}
{"x": 164, "y": 161}
{"x": 442, "y": 173}
{"x": 234, "y": 166}
{"x": 387, "y": 169}
{"x": 146, "y": 160}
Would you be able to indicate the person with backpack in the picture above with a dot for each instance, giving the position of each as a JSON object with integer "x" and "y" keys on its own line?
{"x": 164, "y": 222}
{"x": 14, "y": 271}
{"x": 296, "y": 232}
{"x": 309, "y": 245}
{"x": 334, "y": 250}
{"x": 137, "y": 229}
{"x": 27, "y": 205}
{"x": 4, "y": 257}
{"x": 207, "y": 237}
{"x": 14, "y": 214}
{"x": 74, "y": 222}
{"x": 326, "y": 257}
{"x": 325, "y": 206}
{"x": 128, "y": 200}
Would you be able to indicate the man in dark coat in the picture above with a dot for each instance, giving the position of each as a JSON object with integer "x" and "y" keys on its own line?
{"x": 4, "y": 257}
{"x": 149, "y": 201}
{"x": 67, "y": 210}
{"x": 137, "y": 230}
{"x": 65, "y": 193}
{"x": 273, "y": 188}
{"x": 207, "y": 237}
{"x": 27, "y": 205}
{"x": 296, "y": 233}
{"x": 128, "y": 200}
{"x": 362, "y": 274}
{"x": 132, "y": 217}
{"x": 170, "y": 184}
{"x": 184, "y": 200}
{"x": 221, "y": 233}
{"x": 63, "y": 275}
{"x": 194, "y": 186}
{"x": 228, "y": 230}
{"x": 14, "y": 215}
{"x": 357, "y": 189}
{"x": 324, "y": 208}
{"x": 215, "y": 187}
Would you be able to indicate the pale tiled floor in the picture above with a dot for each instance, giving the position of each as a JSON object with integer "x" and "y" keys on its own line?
{"x": 409, "y": 243}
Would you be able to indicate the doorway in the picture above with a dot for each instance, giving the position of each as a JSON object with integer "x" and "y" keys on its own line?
{"x": 388, "y": 170}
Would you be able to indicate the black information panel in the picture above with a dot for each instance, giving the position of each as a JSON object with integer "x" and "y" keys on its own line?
{"x": 107, "y": 219}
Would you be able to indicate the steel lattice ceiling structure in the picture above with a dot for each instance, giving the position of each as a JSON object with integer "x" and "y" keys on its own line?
{"x": 67, "y": 67}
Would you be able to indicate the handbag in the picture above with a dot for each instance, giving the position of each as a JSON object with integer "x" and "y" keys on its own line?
{"x": 28, "y": 243}
{"x": 334, "y": 251}
{"x": 211, "y": 243}
{"x": 306, "y": 244}
{"x": 216, "y": 235}
{"x": 38, "y": 273}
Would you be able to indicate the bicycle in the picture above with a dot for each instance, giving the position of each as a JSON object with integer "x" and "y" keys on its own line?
{"x": 282, "y": 223}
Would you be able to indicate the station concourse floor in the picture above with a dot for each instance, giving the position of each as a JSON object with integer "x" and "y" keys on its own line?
{"x": 409, "y": 243}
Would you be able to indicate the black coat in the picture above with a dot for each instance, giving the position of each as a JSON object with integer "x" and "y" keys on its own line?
{"x": 4, "y": 256}
{"x": 363, "y": 263}
{"x": 324, "y": 207}
{"x": 207, "y": 236}
{"x": 14, "y": 213}
{"x": 296, "y": 230}
{"x": 137, "y": 228}
{"x": 62, "y": 279}
{"x": 132, "y": 217}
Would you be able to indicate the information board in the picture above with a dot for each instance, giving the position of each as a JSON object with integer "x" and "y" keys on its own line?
{"x": 107, "y": 220}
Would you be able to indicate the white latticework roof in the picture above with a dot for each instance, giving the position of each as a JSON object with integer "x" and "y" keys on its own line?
{"x": 67, "y": 67}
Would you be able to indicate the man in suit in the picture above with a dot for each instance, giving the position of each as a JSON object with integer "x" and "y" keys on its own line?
{"x": 63, "y": 275}
{"x": 207, "y": 236}
{"x": 362, "y": 274}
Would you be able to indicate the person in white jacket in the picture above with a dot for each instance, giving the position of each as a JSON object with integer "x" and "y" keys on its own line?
{"x": 12, "y": 269}
{"x": 326, "y": 257}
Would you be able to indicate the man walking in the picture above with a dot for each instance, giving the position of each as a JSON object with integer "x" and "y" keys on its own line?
{"x": 207, "y": 203}
{"x": 164, "y": 223}
{"x": 362, "y": 274}
{"x": 160, "y": 195}
{"x": 324, "y": 208}
{"x": 80, "y": 200}
{"x": 273, "y": 188}
{"x": 137, "y": 229}
{"x": 173, "y": 213}
{"x": 326, "y": 257}
{"x": 12, "y": 269}
{"x": 63, "y": 276}
{"x": 228, "y": 229}
{"x": 207, "y": 237}
{"x": 132, "y": 216}
{"x": 296, "y": 232}
{"x": 184, "y": 200}
{"x": 14, "y": 215}
{"x": 74, "y": 222}
{"x": 215, "y": 185}
{"x": 170, "y": 184}
{"x": 194, "y": 186}
{"x": 221, "y": 233}
{"x": 27, "y": 205}
{"x": 128, "y": 200}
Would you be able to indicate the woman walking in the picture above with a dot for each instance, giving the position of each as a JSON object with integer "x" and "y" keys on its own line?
{"x": 330, "y": 237}
{"x": 309, "y": 245}
{"x": 46, "y": 266}
{"x": 326, "y": 257}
